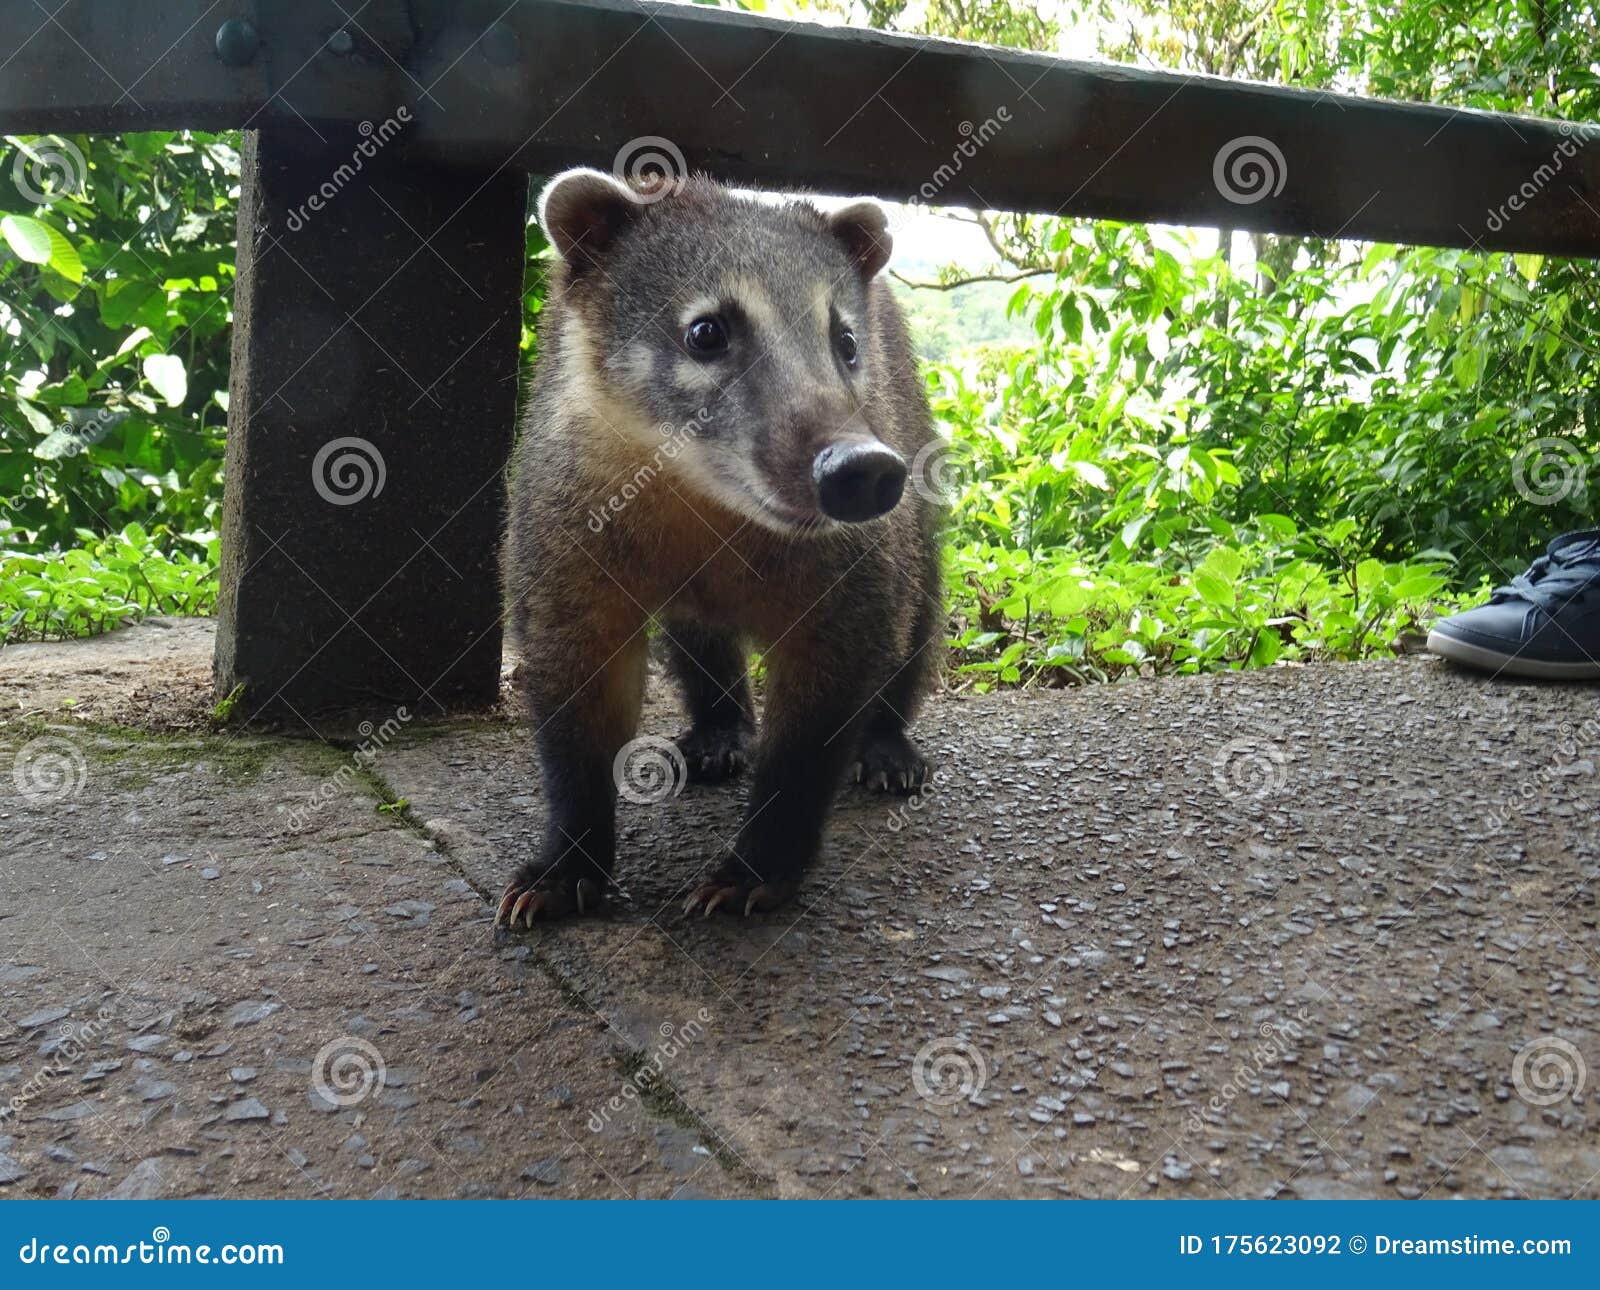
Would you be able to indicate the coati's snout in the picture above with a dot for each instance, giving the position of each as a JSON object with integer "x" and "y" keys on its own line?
{"x": 858, "y": 481}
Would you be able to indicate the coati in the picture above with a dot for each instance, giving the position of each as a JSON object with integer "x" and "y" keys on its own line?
{"x": 716, "y": 444}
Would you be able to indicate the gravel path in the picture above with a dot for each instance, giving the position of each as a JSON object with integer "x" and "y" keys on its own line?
{"x": 1307, "y": 932}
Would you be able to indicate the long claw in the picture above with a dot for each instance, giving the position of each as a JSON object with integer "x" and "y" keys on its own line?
{"x": 530, "y": 903}
{"x": 506, "y": 901}
{"x": 719, "y": 898}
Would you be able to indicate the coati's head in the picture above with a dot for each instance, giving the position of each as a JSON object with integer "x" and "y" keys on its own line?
{"x": 732, "y": 335}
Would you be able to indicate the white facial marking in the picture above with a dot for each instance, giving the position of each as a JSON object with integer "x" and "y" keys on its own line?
{"x": 699, "y": 307}
{"x": 633, "y": 367}
{"x": 750, "y": 294}
{"x": 696, "y": 378}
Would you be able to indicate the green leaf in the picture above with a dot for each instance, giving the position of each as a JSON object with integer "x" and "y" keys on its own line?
{"x": 122, "y": 298}
{"x": 1213, "y": 588}
{"x": 64, "y": 258}
{"x": 73, "y": 390}
{"x": 36, "y": 242}
{"x": 1090, "y": 473}
{"x": 34, "y": 417}
{"x": 1265, "y": 651}
{"x": 165, "y": 372}
{"x": 28, "y": 237}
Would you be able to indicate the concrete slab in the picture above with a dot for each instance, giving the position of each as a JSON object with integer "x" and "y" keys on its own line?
{"x": 198, "y": 999}
{"x": 1314, "y": 932}
{"x": 1310, "y": 932}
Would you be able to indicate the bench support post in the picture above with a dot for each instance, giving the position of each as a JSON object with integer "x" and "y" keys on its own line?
{"x": 377, "y": 315}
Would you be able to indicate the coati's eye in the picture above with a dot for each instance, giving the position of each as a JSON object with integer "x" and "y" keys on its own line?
{"x": 847, "y": 346}
{"x": 706, "y": 336}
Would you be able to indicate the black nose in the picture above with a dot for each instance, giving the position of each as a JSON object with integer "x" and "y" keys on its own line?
{"x": 858, "y": 481}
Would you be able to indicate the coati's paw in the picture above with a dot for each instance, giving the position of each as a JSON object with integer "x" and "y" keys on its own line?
{"x": 735, "y": 889}
{"x": 552, "y": 893}
{"x": 890, "y": 764}
{"x": 714, "y": 753}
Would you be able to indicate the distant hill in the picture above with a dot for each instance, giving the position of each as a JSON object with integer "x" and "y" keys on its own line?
{"x": 943, "y": 323}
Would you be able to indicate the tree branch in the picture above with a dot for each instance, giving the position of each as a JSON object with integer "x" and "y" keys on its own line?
{"x": 968, "y": 281}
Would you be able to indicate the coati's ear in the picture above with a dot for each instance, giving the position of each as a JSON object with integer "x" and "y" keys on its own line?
{"x": 582, "y": 211}
{"x": 864, "y": 230}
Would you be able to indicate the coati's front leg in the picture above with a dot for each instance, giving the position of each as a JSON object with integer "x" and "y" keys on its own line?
{"x": 814, "y": 708}
{"x": 585, "y": 687}
{"x": 712, "y": 669}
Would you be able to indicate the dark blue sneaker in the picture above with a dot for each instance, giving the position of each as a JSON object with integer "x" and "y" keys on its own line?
{"x": 1545, "y": 624}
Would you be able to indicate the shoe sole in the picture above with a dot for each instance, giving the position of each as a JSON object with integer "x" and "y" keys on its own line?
{"x": 1491, "y": 660}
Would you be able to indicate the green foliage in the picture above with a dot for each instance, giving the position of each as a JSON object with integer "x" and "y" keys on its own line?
{"x": 1190, "y": 470}
{"x": 114, "y": 361}
{"x": 103, "y": 582}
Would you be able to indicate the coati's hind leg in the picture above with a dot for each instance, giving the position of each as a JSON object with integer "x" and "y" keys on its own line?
{"x": 887, "y": 761}
{"x": 583, "y": 718}
{"x": 712, "y": 669}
